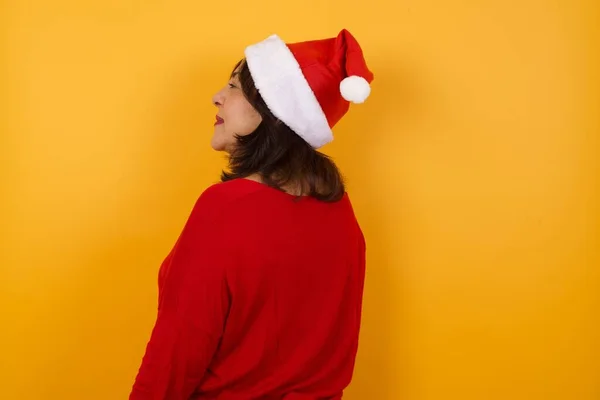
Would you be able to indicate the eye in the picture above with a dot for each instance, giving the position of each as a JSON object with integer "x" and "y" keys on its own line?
{"x": 231, "y": 85}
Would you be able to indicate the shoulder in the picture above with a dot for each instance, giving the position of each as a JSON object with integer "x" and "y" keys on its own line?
{"x": 221, "y": 196}
{"x": 227, "y": 192}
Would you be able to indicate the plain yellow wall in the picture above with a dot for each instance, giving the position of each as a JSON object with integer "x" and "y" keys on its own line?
{"x": 473, "y": 170}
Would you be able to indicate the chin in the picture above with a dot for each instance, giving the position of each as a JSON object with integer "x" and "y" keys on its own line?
{"x": 224, "y": 147}
{"x": 217, "y": 145}
{"x": 221, "y": 145}
{"x": 220, "y": 141}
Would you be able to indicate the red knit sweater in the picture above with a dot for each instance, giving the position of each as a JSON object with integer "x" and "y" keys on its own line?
{"x": 260, "y": 298}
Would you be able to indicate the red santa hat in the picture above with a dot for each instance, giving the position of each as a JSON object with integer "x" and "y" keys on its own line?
{"x": 308, "y": 85}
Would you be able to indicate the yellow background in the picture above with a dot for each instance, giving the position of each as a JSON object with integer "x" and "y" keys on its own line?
{"x": 473, "y": 170}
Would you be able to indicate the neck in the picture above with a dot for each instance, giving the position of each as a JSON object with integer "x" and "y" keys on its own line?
{"x": 293, "y": 189}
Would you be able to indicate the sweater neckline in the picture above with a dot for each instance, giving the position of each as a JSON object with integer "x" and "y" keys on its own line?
{"x": 272, "y": 189}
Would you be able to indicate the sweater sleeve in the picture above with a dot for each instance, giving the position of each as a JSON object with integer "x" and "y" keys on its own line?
{"x": 193, "y": 304}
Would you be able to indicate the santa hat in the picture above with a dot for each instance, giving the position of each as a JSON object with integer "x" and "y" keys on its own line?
{"x": 308, "y": 85}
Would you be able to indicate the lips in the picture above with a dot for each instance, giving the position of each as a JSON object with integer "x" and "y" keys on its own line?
{"x": 219, "y": 120}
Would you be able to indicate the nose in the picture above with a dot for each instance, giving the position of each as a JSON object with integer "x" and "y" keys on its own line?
{"x": 218, "y": 99}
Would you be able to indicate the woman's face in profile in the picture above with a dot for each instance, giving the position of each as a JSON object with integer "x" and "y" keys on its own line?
{"x": 235, "y": 115}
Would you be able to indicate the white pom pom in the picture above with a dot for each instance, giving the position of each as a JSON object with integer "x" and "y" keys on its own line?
{"x": 355, "y": 89}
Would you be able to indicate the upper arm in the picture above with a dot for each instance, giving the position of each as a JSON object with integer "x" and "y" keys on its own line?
{"x": 194, "y": 301}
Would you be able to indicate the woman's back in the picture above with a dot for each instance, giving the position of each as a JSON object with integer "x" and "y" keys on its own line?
{"x": 296, "y": 289}
{"x": 276, "y": 290}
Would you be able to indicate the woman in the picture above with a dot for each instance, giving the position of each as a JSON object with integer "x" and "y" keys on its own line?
{"x": 261, "y": 296}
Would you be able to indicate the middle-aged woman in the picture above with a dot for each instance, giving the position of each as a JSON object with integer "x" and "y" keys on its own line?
{"x": 261, "y": 295}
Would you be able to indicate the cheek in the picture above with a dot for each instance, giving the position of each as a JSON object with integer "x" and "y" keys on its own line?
{"x": 243, "y": 117}
{"x": 252, "y": 119}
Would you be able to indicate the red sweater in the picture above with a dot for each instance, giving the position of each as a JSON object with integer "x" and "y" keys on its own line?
{"x": 260, "y": 298}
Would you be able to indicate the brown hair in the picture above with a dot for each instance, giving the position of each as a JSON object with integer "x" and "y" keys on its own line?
{"x": 278, "y": 155}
